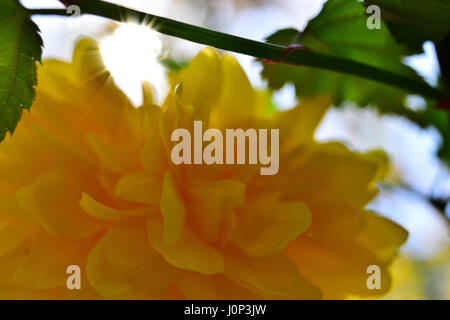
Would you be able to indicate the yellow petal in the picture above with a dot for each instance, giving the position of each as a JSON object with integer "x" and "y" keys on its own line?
{"x": 10, "y": 207}
{"x": 139, "y": 187}
{"x": 211, "y": 208}
{"x": 87, "y": 59}
{"x": 298, "y": 125}
{"x": 11, "y": 261}
{"x": 95, "y": 104}
{"x": 267, "y": 228}
{"x": 101, "y": 276}
{"x": 189, "y": 252}
{"x": 123, "y": 264}
{"x": 100, "y": 211}
{"x": 382, "y": 236}
{"x": 335, "y": 221}
{"x": 14, "y": 234}
{"x": 87, "y": 291}
{"x": 200, "y": 89}
{"x": 173, "y": 211}
{"x": 153, "y": 158}
{"x": 153, "y": 155}
{"x": 55, "y": 78}
{"x": 176, "y": 115}
{"x": 54, "y": 200}
{"x": 274, "y": 276}
{"x": 237, "y": 100}
{"x": 99, "y": 98}
{"x": 112, "y": 157}
{"x": 195, "y": 286}
{"x": 338, "y": 267}
{"x": 16, "y": 292}
{"x": 46, "y": 265}
{"x": 67, "y": 148}
{"x": 333, "y": 174}
{"x": 148, "y": 94}
{"x": 16, "y": 165}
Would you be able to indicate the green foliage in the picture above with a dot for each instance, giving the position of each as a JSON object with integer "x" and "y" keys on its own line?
{"x": 439, "y": 119}
{"x": 340, "y": 30}
{"x": 20, "y": 48}
{"x": 415, "y": 21}
{"x": 412, "y": 22}
{"x": 173, "y": 65}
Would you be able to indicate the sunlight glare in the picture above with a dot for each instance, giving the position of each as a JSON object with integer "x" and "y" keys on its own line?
{"x": 131, "y": 54}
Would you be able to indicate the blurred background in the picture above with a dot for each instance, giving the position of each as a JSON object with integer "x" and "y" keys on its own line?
{"x": 417, "y": 191}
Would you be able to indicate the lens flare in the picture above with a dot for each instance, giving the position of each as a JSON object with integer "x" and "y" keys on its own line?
{"x": 132, "y": 54}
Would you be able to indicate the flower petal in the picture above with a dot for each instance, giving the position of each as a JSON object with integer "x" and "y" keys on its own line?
{"x": 266, "y": 228}
{"x": 14, "y": 234}
{"x": 123, "y": 264}
{"x": 337, "y": 267}
{"x": 237, "y": 103}
{"x": 200, "y": 90}
{"x": 195, "y": 286}
{"x": 189, "y": 252}
{"x": 298, "y": 124}
{"x": 45, "y": 266}
{"x": 139, "y": 187}
{"x": 331, "y": 173}
{"x": 275, "y": 276}
{"x": 211, "y": 208}
{"x": 54, "y": 200}
{"x": 382, "y": 236}
{"x": 173, "y": 211}
{"x": 100, "y": 211}
{"x": 10, "y": 208}
{"x": 115, "y": 158}
{"x": 175, "y": 115}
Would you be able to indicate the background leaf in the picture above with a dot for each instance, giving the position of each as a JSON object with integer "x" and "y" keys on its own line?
{"x": 340, "y": 29}
{"x": 20, "y": 48}
{"x": 415, "y": 21}
{"x": 439, "y": 119}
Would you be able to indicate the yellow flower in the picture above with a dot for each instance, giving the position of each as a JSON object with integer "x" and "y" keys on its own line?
{"x": 87, "y": 180}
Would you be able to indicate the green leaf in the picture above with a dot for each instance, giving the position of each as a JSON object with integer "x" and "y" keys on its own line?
{"x": 440, "y": 120}
{"x": 341, "y": 30}
{"x": 20, "y": 48}
{"x": 415, "y": 21}
{"x": 173, "y": 65}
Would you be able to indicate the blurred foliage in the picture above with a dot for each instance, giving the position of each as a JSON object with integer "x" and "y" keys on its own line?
{"x": 173, "y": 65}
{"x": 415, "y": 21}
{"x": 20, "y": 48}
{"x": 341, "y": 30}
{"x": 418, "y": 280}
{"x": 440, "y": 120}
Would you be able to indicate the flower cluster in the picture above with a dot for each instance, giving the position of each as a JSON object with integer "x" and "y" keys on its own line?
{"x": 87, "y": 180}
